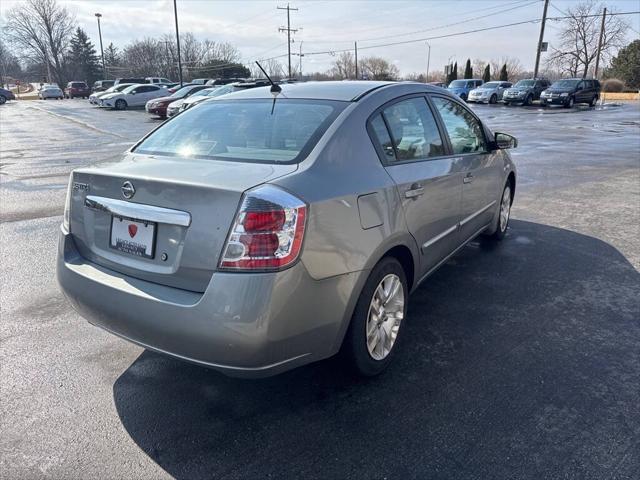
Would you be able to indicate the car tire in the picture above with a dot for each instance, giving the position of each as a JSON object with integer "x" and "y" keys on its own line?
{"x": 463, "y": 97}
{"x": 493, "y": 99}
{"x": 593, "y": 101}
{"x": 371, "y": 342}
{"x": 528, "y": 101}
{"x": 120, "y": 104}
{"x": 504, "y": 214}
{"x": 570, "y": 102}
{"x": 3, "y": 99}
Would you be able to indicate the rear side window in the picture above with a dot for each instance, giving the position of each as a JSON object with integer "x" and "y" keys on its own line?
{"x": 382, "y": 136}
{"x": 245, "y": 130}
{"x": 412, "y": 130}
{"x": 465, "y": 131}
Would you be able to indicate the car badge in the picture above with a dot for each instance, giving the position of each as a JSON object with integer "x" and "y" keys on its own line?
{"x": 128, "y": 190}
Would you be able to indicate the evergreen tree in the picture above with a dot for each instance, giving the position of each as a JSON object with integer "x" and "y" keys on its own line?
{"x": 83, "y": 59}
{"x": 454, "y": 75}
{"x": 111, "y": 59}
{"x": 504, "y": 76}
{"x": 486, "y": 76}
{"x": 468, "y": 71}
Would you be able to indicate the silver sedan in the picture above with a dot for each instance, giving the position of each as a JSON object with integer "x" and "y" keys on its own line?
{"x": 274, "y": 227}
{"x": 490, "y": 92}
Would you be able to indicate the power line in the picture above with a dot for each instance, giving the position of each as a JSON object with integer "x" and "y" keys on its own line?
{"x": 477, "y": 30}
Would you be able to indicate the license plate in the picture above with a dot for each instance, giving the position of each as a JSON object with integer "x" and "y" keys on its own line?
{"x": 133, "y": 237}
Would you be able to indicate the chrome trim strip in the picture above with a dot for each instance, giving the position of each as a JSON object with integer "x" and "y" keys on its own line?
{"x": 138, "y": 211}
{"x": 439, "y": 237}
{"x": 474, "y": 215}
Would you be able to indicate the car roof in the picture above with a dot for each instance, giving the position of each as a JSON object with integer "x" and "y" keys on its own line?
{"x": 345, "y": 91}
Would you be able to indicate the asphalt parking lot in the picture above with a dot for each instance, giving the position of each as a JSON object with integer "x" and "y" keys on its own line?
{"x": 521, "y": 361}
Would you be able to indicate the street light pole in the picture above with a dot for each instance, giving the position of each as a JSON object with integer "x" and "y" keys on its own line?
{"x": 104, "y": 69}
{"x": 428, "y": 60}
{"x": 175, "y": 13}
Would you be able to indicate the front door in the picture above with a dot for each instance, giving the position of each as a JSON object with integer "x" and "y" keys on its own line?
{"x": 412, "y": 149}
{"x": 479, "y": 167}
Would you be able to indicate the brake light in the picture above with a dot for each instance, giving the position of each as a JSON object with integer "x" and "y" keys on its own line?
{"x": 267, "y": 232}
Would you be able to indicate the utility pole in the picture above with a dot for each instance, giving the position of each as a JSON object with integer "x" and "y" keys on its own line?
{"x": 428, "y": 61}
{"x": 288, "y": 29}
{"x": 604, "y": 17}
{"x": 175, "y": 13}
{"x": 300, "y": 61}
{"x": 104, "y": 69}
{"x": 355, "y": 44}
{"x": 544, "y": 20}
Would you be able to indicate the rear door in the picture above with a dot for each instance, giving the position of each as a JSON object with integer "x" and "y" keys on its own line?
{"x": 479, "y": 167}
{"x": 414, "y": 153}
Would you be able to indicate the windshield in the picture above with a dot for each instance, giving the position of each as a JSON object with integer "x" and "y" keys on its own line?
{"x": 204, "y": 92}
{"x": 565, "y": 84}
{"x": 490, "y": 85}
{"x": 525, "y": 83}
{"x": 458, "y": 84}
{"x": 244, "y": 130}
{"x": 182, "y": 92}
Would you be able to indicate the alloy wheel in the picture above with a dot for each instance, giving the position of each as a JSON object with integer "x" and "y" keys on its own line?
{"x": 386, "y": 312}
{"x": 505, "y": 208}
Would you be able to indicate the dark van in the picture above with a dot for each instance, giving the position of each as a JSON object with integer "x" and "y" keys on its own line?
{"x": 130, "y": 80}
{"x": 570, "y": 91}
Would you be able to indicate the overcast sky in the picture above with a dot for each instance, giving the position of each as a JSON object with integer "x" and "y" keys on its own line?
{"x": 329, "y": 25}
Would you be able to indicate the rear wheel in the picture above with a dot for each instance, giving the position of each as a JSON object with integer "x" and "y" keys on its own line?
{"x": 372, "y": 337}
{"x": 593, "y": 101}
{"x": 121, "y": 104}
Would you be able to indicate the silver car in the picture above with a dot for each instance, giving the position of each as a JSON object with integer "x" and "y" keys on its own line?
{"x": 490, "y": 92}
{"x": 255, "y": 233}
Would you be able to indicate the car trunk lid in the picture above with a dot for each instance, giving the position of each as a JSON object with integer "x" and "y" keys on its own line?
{"x": 173, "y": 227}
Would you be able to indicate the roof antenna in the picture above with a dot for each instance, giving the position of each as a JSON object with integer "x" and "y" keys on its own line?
{"x": 275, "y": 89}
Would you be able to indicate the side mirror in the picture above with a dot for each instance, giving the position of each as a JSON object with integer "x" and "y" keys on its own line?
{"x": 505, "y": 141}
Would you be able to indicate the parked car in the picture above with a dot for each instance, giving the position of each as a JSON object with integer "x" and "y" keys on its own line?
{"x": 225, "y": 81}
{"x": 490, "y": 92}
{"x": 94, "y": 98}
{"x": 50, "y": 91}
{"x": 6, "y": 95}
{"x": 213, "y": 93}
{"x": 201, "y": 81}
{"x": 130, "y": 80}
{"x": 102, "y": 85}
{"x": 136, "y": 95}
{"x": 159, "y": 81}
{"x": 77, "y": 89}
{"x": 525, "y": 91}
{"x": 463, "y": 87}
{"x": 177, "y": 87}
{"x": 158, "y": 106}
{"x": 570, "y": 91}
{"x": 438, "y": 84}
{"x": 256, "y": 233}
{"x": 175, "y": 106}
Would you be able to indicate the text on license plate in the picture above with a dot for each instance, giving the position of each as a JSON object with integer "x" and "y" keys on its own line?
{"x": 133, "y": 237}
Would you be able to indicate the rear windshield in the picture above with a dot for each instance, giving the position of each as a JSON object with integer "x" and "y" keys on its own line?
{"x": 244, "y": 130}
{"x": 78, "y": 85}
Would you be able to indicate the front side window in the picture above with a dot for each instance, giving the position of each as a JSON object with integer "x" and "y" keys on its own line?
{"x": 465, "y": 131}
{"x": 413, "y": 130}
{"x": 244, "y": 130}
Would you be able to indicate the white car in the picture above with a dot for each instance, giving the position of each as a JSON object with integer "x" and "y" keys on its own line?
{"x": 94, "y": 98}
{"x": 50, "y": 91}
{"x": 201, "y": 96}
{"x": 158, "y": 80}
{"x": 133, "y": 96}
{"x": 490, "y": 92}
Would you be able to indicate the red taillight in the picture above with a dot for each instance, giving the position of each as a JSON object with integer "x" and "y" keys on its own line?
{"x": 267, "y": 233}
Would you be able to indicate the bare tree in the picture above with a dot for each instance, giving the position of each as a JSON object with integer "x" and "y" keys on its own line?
{"x": 515, "y": 69}
{"x": 344, "y": 66}
{"x": 377, "y": 68}
{"x": 42, "y": 29}
{"x": 578, "y": 45}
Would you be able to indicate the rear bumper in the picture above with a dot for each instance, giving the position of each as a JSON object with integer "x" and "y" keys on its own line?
{"x": 554, "y": 101}
{"x": 248, "y": 325}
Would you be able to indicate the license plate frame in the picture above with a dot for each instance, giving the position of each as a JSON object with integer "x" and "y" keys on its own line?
{"x": 121, "y": 244}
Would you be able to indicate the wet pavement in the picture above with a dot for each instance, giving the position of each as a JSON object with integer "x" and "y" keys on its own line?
{"x": 521, "y": 361}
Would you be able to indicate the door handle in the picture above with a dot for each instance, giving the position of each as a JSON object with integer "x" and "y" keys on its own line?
{"x": 468, "y": 178}
{"x": 415, "y": 191}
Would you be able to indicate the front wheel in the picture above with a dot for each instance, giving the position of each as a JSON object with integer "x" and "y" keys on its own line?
{"x": 3, "y": 99}
{"x": 121, "y": 104}
{"x": 593, "y": 101}
{"x": 570, "y": 103}
{"x": 528, "y": 101}
{"x": 493, "y": 99}
{"x": 370, "y": 342}
{"x": 503, "y": 214}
